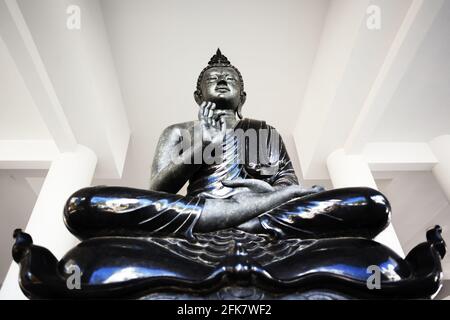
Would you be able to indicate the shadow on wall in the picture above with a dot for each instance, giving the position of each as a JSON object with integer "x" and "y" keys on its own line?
{"x": 444, "y": 294}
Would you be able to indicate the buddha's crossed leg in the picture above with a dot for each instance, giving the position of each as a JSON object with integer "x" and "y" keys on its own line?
{"x": 355, "y": 212}
{"x": 95, "y": 211}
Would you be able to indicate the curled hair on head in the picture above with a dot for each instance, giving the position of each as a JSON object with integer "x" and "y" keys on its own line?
{"x": 219, "y": 60}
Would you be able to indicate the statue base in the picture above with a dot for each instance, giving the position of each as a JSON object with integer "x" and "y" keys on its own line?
{"x": 249, "y": 293}
{"x": 230, "y": 264}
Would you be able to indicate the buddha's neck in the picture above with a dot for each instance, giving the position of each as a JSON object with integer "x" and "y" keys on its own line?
{"x": 230, "y": 118}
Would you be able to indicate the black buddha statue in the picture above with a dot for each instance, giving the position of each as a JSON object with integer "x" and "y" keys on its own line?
{"x": 245, "y": 224}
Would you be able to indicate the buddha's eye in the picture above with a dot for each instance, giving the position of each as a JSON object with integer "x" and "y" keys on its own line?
{"x": 230, "y": 79}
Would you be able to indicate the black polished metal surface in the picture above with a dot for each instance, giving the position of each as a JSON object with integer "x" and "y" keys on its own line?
{"x": 131, "y": 267}
{"x": 246, "y": 228}
{"x": 121, "y": 211}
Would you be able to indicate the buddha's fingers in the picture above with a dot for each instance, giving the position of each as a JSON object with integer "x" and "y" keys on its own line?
{"x": 253, "y": 184}
{"x": 211, "y": 111}
{"x": 241, "y": 207}
{"x": 201, "y": 110}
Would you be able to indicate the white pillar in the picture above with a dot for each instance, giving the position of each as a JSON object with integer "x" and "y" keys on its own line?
{"x": 353, "y": 171}
{"x": 69, "y": 172}
{"x": 349, "y": 171}
{"x": 441, "y": 149}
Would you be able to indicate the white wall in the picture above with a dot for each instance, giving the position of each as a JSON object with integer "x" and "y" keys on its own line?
{"x": 16, "y": 203}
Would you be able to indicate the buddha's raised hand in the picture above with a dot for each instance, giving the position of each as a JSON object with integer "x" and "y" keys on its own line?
{"x": 212, "y": 124}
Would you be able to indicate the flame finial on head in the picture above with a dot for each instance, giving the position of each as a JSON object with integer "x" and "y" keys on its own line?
{"x": 219, "y": 59}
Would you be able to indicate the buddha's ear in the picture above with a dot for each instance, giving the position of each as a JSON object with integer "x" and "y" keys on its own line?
{"x": 239, "y": 109}
{"x": 198, "y": 97}
{"x": 243, "y": 97}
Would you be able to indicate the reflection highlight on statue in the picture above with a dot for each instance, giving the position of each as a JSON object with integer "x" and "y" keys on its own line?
{"x": 245, "y": 220}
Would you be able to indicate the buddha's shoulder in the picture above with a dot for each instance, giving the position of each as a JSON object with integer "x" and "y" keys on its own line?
{"x": 180, "y": 126}
{"x": 256, "y": 124}
{"x": 244, "y": 123}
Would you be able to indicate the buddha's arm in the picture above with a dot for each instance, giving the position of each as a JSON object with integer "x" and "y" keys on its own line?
{"x": 170, "y": 169}
{"x": 285, "y": 175}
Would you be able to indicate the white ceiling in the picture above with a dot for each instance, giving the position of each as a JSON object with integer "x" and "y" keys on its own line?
{"x": 19, "y": 117}
{"x": 160, "y": 47}
{"x": 421, "y": 103}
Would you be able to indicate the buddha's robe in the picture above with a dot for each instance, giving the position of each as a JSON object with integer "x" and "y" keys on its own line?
{"x": 117, "y": 210}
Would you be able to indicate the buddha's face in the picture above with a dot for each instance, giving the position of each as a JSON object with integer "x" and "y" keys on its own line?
{"x": 222, "y": 86}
